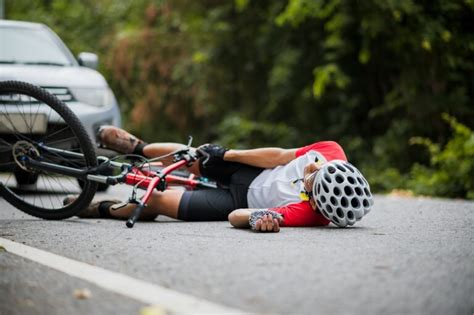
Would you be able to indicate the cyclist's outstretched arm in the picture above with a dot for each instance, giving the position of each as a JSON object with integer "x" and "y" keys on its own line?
{"x": 295, "y": 214}
{"x": 265, "y": 221}
{"x": 263, "y": 157}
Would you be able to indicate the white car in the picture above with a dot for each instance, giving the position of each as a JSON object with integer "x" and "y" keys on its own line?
{"x": 33, "y": 53}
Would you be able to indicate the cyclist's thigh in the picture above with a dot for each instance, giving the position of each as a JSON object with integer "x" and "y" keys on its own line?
{"x": 220, "y": 171}
{"x": 206, "y": 205}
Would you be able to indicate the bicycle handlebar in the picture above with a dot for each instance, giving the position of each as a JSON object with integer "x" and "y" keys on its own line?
{"x": 190, "y": 156}
{"x": 136, "y": 214}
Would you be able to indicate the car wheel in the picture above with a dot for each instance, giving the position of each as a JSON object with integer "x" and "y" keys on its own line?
{"x": 24, "y": 178}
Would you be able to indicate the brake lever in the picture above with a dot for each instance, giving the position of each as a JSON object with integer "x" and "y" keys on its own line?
{"x": 203, "y": 154}
{"x": 185, "y": 150}
{"x": 190, "y": 141}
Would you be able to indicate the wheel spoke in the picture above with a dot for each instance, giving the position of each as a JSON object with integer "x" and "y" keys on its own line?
{"x": 53, "y": 134}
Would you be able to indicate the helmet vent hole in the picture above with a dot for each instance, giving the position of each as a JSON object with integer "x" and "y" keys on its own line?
{"x": 350, "y": 215}
{"x": 365, "y": 203}
{"x": 340, "y": 213}
{"x": 351, "y": 180}
{"x": 319, "y": 204}
{"x": 325, "y": 187}
{"x": 326, "y": 214}
{"x": 348, "y": 190}
{"x": 319, "y": 188}
{"x": 360, "y": 181}
{"x": 335, "y": 220}
{"x": 339, "y": 167}
{"x": 358, "y": 191}
{"x": 323, "y": 199}
{"x": 355, "y": 203}
{"x": 331, "y": 170}
{"x": 327, "y": 178}
{"x": 348, "y": 166}
{"x": 337, "y": 191}
{"x": 333, "y": 201}
{"x": 344, "y": 202}
{"x": 339, "y": 179}
{"x": 367, "y": 192}
{"x": 329, "y": 209}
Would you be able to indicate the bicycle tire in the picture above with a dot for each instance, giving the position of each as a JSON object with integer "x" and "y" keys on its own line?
{"x": 73, "y": 127}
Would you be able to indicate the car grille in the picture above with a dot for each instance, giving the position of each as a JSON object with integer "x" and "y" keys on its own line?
{"x": 62, "y": 93}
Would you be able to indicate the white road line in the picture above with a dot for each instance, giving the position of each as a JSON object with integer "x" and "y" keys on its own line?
{"x": 139, "y": 290}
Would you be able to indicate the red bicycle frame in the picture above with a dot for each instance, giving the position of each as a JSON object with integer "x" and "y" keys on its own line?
{"x": 151, "y": 180}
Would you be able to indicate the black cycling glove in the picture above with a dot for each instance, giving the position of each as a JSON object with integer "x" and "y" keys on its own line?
{"x": 212, "y": 154}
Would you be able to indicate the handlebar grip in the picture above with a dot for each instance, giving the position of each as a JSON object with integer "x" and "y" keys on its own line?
{"x": 136, "y": 214}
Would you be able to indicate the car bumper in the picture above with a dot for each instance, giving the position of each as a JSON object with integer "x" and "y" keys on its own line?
{"x": 93, "y": 117}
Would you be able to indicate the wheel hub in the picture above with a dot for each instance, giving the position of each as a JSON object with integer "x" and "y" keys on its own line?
{"x": 21, "y": 151}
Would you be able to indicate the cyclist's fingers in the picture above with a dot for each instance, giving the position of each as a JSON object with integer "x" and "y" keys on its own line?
{"x": 269, "y": 222}
{"x": 276, "y": 225}
{"x": 263, "y": 226}
{"x": 258, "y": 225}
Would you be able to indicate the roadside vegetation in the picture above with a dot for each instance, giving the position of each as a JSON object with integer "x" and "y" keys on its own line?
{"x": 391, "y": 80}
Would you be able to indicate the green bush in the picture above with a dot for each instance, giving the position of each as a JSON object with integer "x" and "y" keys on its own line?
{"x": 384, "y": 180}
{"x": 238, "y": 132}
{"x": 451, "y": 170}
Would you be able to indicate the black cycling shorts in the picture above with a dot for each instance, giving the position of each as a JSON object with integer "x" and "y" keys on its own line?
{"x": 215, "y": 204}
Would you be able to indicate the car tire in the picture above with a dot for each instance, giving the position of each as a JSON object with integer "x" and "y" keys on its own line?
{"x": 24, "y": 178}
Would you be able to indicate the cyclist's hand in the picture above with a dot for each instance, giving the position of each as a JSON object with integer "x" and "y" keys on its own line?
{"x": 265, "y": 220}
{"x": 214, "y": 154}
{"x": 268, "y": 224}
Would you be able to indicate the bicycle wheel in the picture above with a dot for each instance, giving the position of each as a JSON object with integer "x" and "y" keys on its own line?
{"x": 31, "y": 119}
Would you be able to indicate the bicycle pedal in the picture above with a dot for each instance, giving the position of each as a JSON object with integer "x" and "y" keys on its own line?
{"x": 117, "y": 206}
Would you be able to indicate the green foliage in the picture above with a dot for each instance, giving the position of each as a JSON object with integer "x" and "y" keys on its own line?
{"x": 368, "y": 74}
{"x": 325, "y": 74}
{"x": 384, "y": 180}
{"x": 451, "y": 170}
{"x": 241, "y": 4}
{"x": 238, "y": 132}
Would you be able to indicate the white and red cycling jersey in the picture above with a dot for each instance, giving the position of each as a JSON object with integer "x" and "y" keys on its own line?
{"x": 279, "y": 189}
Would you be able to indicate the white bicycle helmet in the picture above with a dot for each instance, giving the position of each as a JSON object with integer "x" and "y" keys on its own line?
{"x": 342, "y": 193}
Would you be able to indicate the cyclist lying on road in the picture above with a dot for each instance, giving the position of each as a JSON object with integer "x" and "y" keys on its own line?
{"x": 262, "y": 188}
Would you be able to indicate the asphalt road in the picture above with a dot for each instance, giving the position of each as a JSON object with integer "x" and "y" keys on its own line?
{"x": 408, "y": 256}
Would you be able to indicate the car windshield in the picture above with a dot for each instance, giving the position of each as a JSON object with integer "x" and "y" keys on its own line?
{"x": 30, "y": 46}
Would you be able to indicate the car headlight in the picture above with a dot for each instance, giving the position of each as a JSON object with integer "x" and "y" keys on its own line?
{"x": 94, "y": 96}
